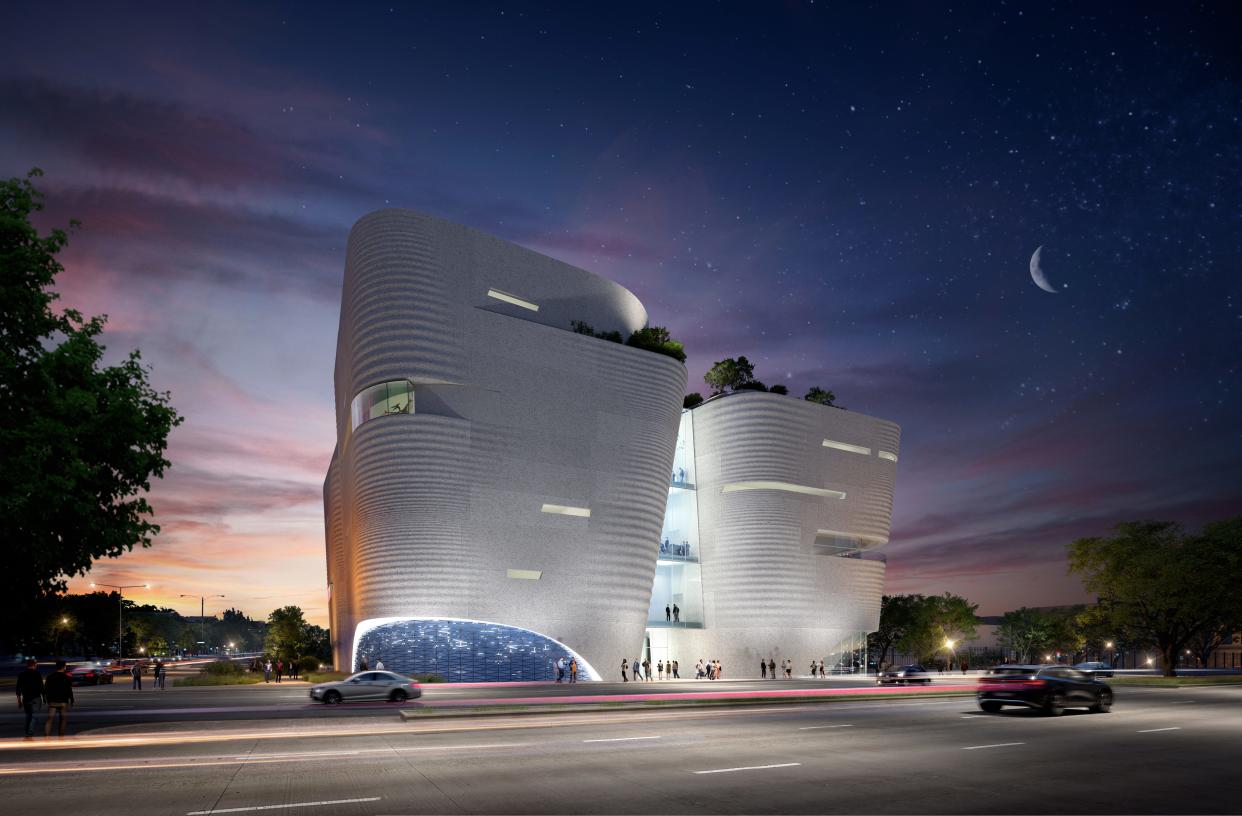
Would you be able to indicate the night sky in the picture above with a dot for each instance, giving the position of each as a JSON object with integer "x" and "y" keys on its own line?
{"x": 848, "y": 197}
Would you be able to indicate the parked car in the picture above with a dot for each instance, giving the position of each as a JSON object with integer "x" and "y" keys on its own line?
{"x": 1051, "y": 689}
{"x": 903, "y": 675}
{"x": 89, "y": 675}
{"x": 367, "y": 685}
{"x": 1095, "y": 668}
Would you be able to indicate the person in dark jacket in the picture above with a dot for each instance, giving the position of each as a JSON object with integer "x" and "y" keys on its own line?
{"x": 58, "y": 689}
{"x": 29, "y": 693}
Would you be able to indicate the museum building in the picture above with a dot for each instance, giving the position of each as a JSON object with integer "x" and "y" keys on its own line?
{"x": 506, "y": 491}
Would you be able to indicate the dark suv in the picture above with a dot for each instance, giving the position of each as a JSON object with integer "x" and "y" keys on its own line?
{"x": 1049, "y": 688}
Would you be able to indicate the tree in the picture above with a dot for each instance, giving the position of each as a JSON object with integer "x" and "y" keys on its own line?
{"x": 692, "y": 399}
{"x": 948, "y": 618}
{"x": 286, "y": 633}
{"x": 821, "y": 396}
{"x": 1160, "y": 586}
{"x": 1025, "y": 632}
{"x": 899, "y": 617}
{"x": 80, "y": 441}
{"x": 779, "y": 389}
{"x": 657, "y": 339}
{"x": 730, "y": 374}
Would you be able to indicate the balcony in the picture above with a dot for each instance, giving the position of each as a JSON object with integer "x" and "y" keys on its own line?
{"x": 679, "y": 553}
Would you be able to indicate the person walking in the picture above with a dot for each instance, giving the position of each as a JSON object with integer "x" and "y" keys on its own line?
{"x": 821, "y": 670}
{"x": 763, "y": 669}
{"x": 573, "y": 670}
{"x": 560, "y": 669}
{"x": 136, "y": 673}
{"x": 58, "y": 690}
{"x": 668, "y": 613}
{"x": 280, "y": 669}
{"x": 676, "y": 673}
{"x": 638, "y": 670}
{"x": 267, "y": 671}
{"x": 624, "y": 666}
{"x": 965, "y": 665}
{"x": 660, "y": 669}
{"x": 788, "y": 668}
{"x": 647, "y": 670}
{"x": 814, "y": 668}
{"x": 676, "y": 614}
{"x": 771, "y": 668}
{"x": 159, "y": 674}
{"x": 29, "y": 693}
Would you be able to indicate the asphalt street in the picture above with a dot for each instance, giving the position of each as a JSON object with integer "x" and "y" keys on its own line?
{"x": 117, "y": 704}
{"x": 1158, "y": 751}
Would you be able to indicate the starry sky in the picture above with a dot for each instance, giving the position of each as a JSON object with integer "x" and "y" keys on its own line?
{"x": 850, "y": 197}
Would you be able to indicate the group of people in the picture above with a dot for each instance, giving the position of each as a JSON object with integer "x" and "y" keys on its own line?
{"x": 56, "y": 690}
{"x": 568, "y": 667}
{"x": 670, "y": 670}
{"x": 159, "y": 675}
{"x": 767, "y": 668}
{"x": 711, "y": 670}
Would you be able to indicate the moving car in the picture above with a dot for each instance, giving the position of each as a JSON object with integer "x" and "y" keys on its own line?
{"x": 367, "y": 685}
{"x": 903, "y": 675}
{"x": 89, "y": 675}
{"x": 1095, "y": 668}
{"x": 1052, "y": 689}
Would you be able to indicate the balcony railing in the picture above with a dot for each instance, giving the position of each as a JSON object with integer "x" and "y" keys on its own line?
{"x": 678, "y": 551}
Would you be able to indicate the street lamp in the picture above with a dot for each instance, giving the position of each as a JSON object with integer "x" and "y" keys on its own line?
{"x": 948, "y": 644}
{"x": 202, "y": 615}
{"x": 120, "y": 605}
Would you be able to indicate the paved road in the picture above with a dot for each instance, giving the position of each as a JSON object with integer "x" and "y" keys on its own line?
{"x": 118, "y": 704}
{"x": 1159, "y": 751}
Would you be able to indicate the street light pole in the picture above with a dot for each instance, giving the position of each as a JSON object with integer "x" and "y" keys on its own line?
{"x": 202, "y": 615}
{"x": 120, "y": 606}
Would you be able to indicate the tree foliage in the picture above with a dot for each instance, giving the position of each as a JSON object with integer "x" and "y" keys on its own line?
{"x": 657, "y": 339}
{"x": 80, "y": 441}
{"x": 692, "y": 399}
{"x": 821, "y": 396}
{"x": 729, "y": 374}
{"x": 1026, "y": 632}
{"x": 922, "y": 625}
{"x": 1160, "y": 586}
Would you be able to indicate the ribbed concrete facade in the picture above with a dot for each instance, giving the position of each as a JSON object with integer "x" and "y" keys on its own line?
{"x": 443, "y": 512}
{"x": 782, "y": 517}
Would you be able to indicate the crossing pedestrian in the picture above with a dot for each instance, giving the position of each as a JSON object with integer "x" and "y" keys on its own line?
{"x": 58, "y": 690}
{"x": 30, "y": 693}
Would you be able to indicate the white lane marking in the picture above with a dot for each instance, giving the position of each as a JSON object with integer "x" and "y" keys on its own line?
{"x": 816, "y": 727}
{"x": 1180, "y": 702}
{"x": 621, "y": 739}
{"x": 973, "y": 716}
{"x": 996, "y": 745}
{"x": 1154, "y": 730}
{"x": 750, "y": 768}
{"x": 278, "y": 807}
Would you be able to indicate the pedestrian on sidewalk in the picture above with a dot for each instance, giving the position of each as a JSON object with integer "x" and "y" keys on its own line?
{"x": 58, "y": 690}
{"x": 624, "y": 666}
{"x": 267, "y": 671}
{"x": 763, "y": 669}
{"x": 136, "y": 673}
{"x": 159, "y": 674}
{"x": 676, "y": 674}
{"x": 638, "y": 671}
{"x": 660, "y": 669}
{"x": 647, "y": 670}
{"x": 30, "y": 693}
{"x": 788, "y": 668}
{"x": 280, "y": 669}
{"x": 821, "y": 670}
{"x": 573, "y": 670}
{"x": 771, "y": 668}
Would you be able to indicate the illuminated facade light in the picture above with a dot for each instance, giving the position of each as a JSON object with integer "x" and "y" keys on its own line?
{"x": 513, "y": 299}
{"x": 845, "y": 446}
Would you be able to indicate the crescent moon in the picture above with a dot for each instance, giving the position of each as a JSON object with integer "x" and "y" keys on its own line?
{"x": 1037, "y": 274}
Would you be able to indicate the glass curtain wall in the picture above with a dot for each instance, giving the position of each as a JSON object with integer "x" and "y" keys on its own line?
{"x": 395, "y": 397}
{"x": 677, "y": 594}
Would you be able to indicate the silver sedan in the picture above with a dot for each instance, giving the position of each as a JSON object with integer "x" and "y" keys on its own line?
{"x": 367, "y": 685}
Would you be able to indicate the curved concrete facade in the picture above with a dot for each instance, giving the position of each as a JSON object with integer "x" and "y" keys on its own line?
{"x": 474, "y": 505}
{"x": 790, "y": 494}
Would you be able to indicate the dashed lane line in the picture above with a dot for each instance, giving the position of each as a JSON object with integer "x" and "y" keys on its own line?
{"x": 621, "y": 739}
{"x": 1154, "y": 730}
{"x": 750, "y": 768}
{"x": 817, "y": 727}
{"x": 279, "y": 807}
{"x": 994, "y": 745}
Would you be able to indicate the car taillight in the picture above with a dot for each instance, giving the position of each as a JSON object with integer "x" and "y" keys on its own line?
{"x": 1034, "y": 683}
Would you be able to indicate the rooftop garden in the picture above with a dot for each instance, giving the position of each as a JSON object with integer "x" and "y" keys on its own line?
{"x": 652, "y": 338}
{"x": 731, "y": 375}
